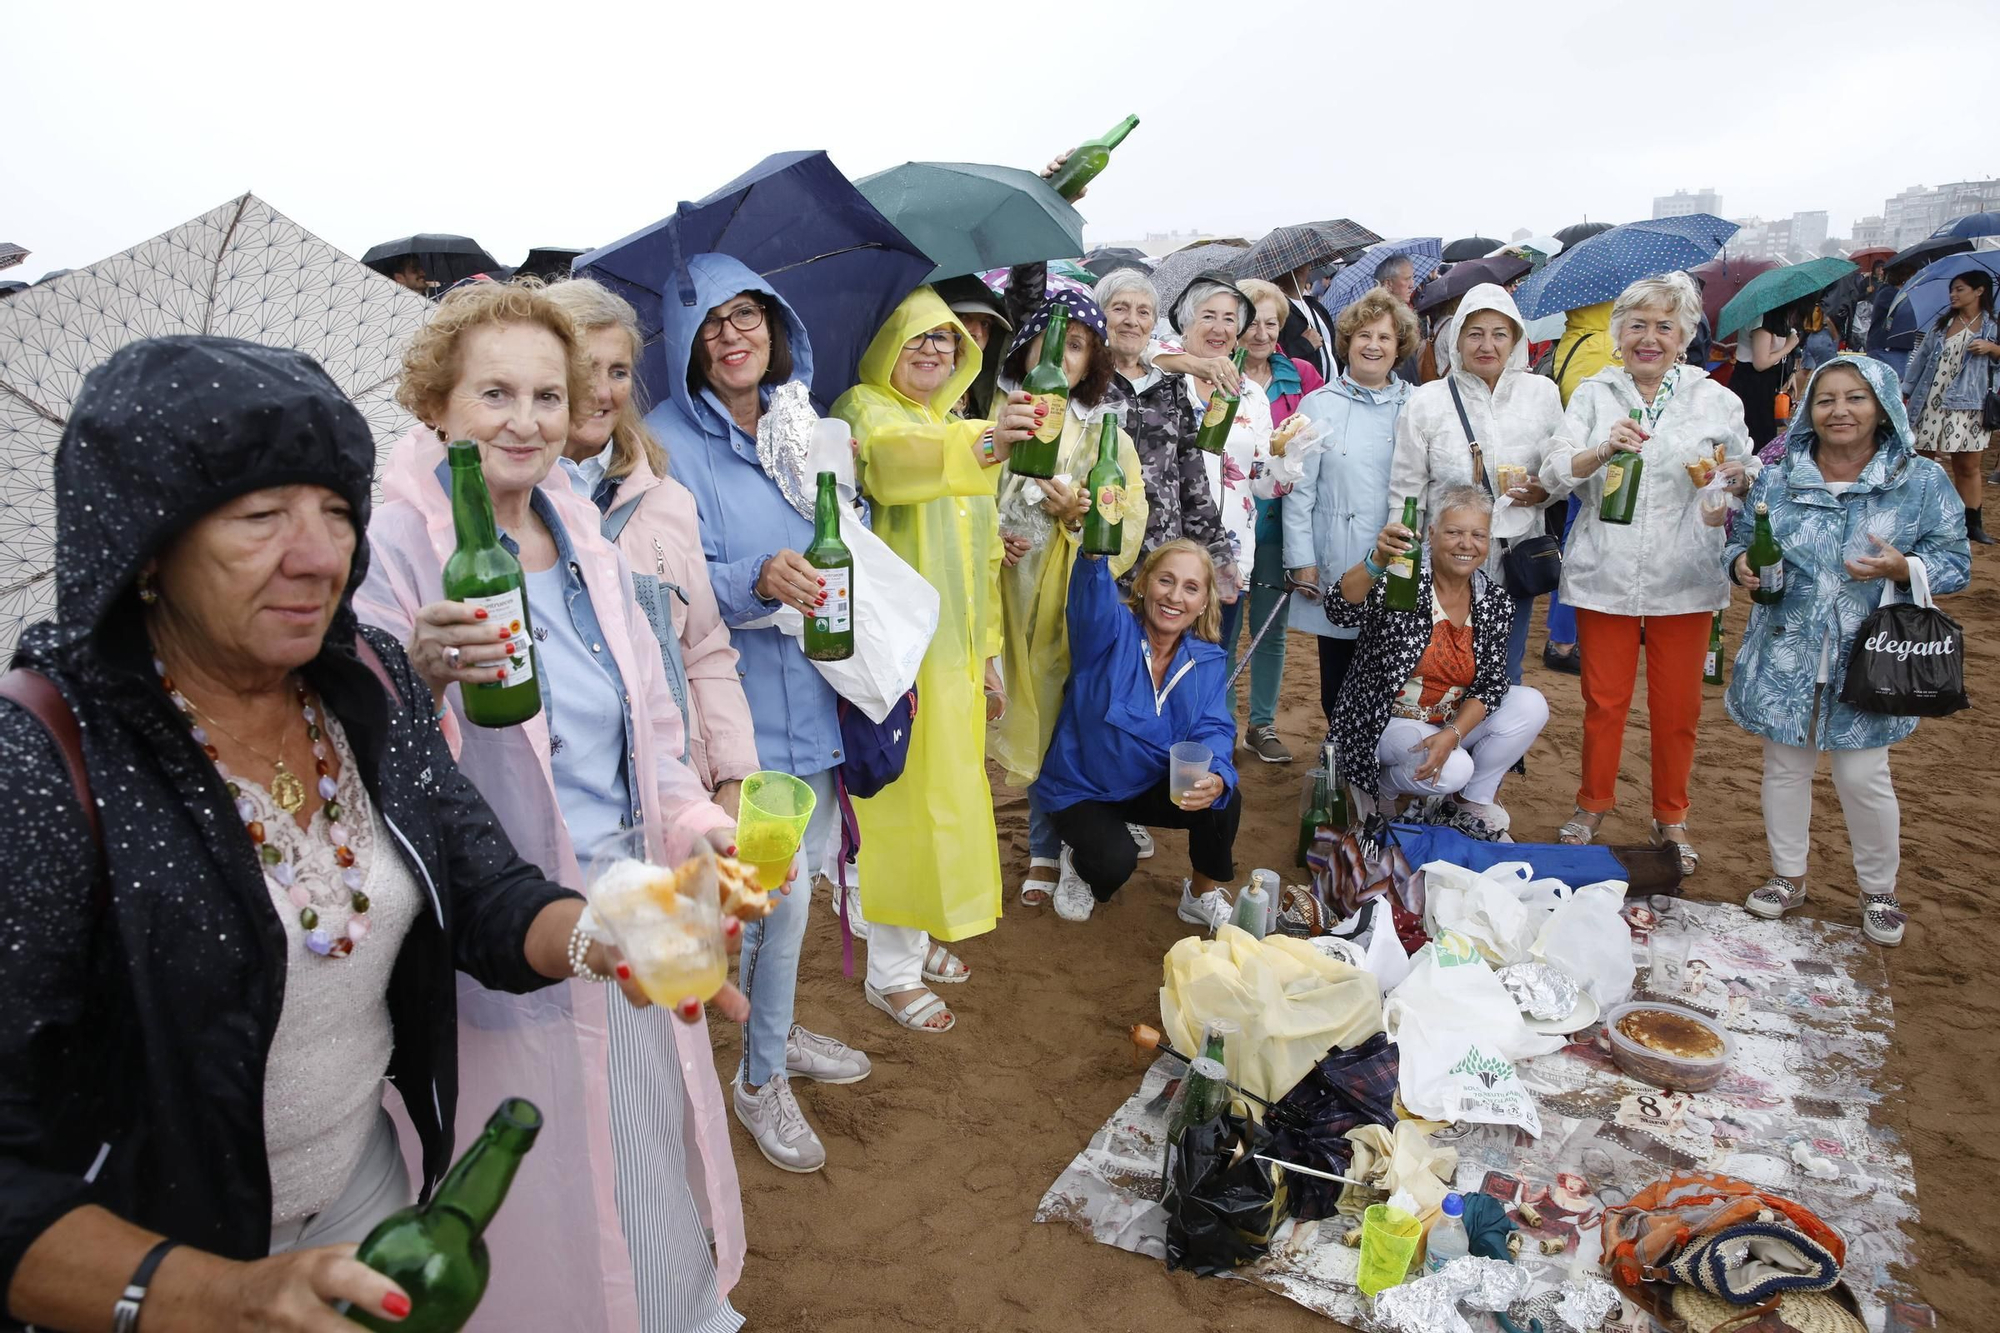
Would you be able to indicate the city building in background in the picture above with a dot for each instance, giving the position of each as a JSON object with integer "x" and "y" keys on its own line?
{"x": 1917, "y": 212}
{"x": 1681, "y": 203}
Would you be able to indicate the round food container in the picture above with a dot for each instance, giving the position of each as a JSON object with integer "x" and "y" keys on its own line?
{"x": 1668, "y": 1045}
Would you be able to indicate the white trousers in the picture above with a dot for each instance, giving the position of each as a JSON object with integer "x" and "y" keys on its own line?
{"x": 1867, "y": 798}
{"x": 1473, "y": 771}
{"x": 896, "y": 957}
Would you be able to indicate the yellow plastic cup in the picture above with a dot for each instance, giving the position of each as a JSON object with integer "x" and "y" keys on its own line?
{"x": 1389, "y": 1239}
{"x": 771, "y": 819}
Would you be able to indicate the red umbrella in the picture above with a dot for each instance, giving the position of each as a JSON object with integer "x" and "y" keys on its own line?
{"x": 1723, "y": 278}
{"x": 1869, "y": 256}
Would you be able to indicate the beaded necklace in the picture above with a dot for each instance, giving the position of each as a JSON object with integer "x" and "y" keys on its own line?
{"x": 277, "y": 869}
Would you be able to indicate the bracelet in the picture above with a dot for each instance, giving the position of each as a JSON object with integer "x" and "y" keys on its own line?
{"x": 1375, "y": 571}
{"x": 579, "y": 953}
{"x": 988, "y": 449}
{"x": 1453, "y": 728}
{"x": 125, "y": 1314}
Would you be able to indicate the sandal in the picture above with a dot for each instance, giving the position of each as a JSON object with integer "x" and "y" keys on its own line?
{"x": 1882, "y": 918}
{"x": 1576, "y": 833}
{"x": 1035, "y": 891}
{"x": 916, "y": 1014}
{"x": 942, "y": 967}
{"x": 1663, "y": 834}
{"x": 1775, "y": 897}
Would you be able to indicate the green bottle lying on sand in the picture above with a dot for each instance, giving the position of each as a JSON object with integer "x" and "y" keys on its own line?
{"x": 435, "y": 1251}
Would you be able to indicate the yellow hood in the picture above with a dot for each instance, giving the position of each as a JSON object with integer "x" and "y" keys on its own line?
{"x": 921, "y": 311}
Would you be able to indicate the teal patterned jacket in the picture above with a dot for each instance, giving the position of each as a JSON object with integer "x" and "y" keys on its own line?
{"x": 1906, "y": 500}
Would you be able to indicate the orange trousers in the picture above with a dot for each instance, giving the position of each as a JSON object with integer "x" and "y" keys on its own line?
{"x": 1675, "y": 650}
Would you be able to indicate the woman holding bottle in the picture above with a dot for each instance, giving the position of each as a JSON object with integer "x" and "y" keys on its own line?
{"x": 495, "y": 365}
{"x": 1653, "y": 574}
{"x": 1041, "y": 525}
{"x": 928, "y": 850}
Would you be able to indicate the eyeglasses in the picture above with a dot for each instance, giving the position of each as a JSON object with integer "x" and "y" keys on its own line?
{"x": 743, "y": 319}
{"x": 945, "y": 340}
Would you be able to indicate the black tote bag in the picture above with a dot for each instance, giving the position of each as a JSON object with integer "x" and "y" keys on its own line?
{"x": 1908, "y": 658}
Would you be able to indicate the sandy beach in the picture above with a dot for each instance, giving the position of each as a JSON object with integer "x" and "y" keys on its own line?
{"x": 923, "y": 1217}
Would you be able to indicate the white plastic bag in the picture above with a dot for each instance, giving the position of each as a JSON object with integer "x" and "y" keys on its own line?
{"x": 1458, "y": 1034}
{"x": 895, "y": 614}
{"x": 1587, "y": 937}
{"x": 1288, "y": 468}
{"x": 1373, "y": 930}
{"x": 1500, "y": 910}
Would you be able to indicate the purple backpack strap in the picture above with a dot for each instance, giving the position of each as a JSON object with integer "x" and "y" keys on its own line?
{"x": 850, "y": 846}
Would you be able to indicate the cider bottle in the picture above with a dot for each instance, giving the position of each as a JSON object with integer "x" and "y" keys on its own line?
{"x": 1049, "y": 387}
{"x": 485, "y": 576}
{"x": 1220, "y": 416}
{"x": 1104, "y": 525}
{"x": 829, "y": 635}
{"x": 1400, "y": 594}
{"x": 1621, "y": 482}
{"x": 1088, "y": 158}
{"x": 1766, "y": 561}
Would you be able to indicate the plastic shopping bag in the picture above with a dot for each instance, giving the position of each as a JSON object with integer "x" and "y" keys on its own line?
{"x": 1587, "y": 937}
{"x": 1459, "y": 1034}
{"x": 1499, "y": 909}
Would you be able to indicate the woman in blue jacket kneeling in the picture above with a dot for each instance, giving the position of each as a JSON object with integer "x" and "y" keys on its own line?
{"x": 1142, "y": 680}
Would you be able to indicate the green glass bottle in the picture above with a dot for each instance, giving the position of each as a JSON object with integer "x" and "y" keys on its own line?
{"x": 1621, "y": 482}
{"x": 1221, "y": 415}
{"x": 1049, "y": 386}
{"x": 484, "y": 575}
{"x": 1401, "y": 592}
{"x": 434, "y": 1251}
{"x": 1104, "y": 535}
{"x": 1088, "y": 158}
{"x": 829, "y": 633}
{"x": 1766, "y": 561}
{"x": 1324, "y": 805}
{"x": 1711, "y": 671}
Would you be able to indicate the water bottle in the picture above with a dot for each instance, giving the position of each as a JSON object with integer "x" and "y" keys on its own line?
{"x": 1447, "y": 1240}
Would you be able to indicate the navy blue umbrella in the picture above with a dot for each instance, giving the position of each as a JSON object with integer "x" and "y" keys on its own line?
{"x": 1924, "y": 297}
{"x": 1971, "y": 226}
{"x": 794, "y": 219}
{"x": 1601, "y": 266}
{"x": 1351, "y": 283}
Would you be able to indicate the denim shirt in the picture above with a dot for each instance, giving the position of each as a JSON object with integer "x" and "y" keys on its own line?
{"x": 582, "y": 620}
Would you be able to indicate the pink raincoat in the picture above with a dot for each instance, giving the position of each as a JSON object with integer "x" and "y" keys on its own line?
{"x": 664, "y": 539}
{"x": 562, "y": 1263}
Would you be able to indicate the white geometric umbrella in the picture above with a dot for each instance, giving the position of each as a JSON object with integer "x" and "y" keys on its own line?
{"x": 243, "y": 270}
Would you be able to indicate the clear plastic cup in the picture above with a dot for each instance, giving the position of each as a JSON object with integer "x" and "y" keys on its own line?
{"x": 1187, "y": 765}
{"x": 771, "y": 818}
{"x": 670, "y": 932}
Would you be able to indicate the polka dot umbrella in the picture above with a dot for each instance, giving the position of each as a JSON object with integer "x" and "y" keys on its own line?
{"x": 1601, "y": 266}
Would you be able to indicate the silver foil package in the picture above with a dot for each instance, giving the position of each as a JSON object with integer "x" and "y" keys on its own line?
{"x": 1539, "y": 990}
{"x": 784, "y": 445}
{"x": 1430, "y": 1304}
{"x": 1586, "y": 1303}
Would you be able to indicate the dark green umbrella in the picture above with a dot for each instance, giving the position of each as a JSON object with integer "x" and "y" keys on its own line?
{"x": 1776, "y": 289}
{"x": 969, "y": 217}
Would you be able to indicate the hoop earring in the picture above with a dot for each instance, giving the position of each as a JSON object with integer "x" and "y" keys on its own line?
{"x": 149, "y": 593}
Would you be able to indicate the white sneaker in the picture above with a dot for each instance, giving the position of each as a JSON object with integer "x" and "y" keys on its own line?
{"x": 778, "y": 1127}
{"x": 1208, "y": 911}
{"x": 1142, "y": 838}
{"x": 1073, "y": 898}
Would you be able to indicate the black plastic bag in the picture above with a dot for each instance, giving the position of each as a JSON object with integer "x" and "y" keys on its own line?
{"x": 1907, "y": 661}
{"x": 1222, "y": 1203}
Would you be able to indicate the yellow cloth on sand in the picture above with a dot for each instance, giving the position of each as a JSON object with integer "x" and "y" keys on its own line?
{"x": 1034, "y": 601}
{"x": 929, "y": 855}
{"x": 1291, "y": 1001}
{"x": 1403, "y": 1160}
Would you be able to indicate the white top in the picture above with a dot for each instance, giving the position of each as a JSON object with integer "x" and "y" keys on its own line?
{"x": 323, "y": 1077}
{"x": 585, "y": 476}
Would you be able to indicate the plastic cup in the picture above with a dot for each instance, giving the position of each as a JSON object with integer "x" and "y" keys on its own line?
{"x": 1187, "y": 765}
{"x": 1667, "y": 956}
{"x": 771, "y": 818}
{"x": 1389, "y": 1239}
{"x": 672, "y": 939}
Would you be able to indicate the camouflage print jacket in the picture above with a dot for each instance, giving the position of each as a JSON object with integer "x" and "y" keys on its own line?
{"x": 1163, "y": 424}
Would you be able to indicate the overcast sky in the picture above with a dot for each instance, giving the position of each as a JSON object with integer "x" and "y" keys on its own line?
{"x": 553, "y": 124}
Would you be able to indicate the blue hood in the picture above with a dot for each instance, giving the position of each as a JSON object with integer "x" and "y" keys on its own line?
{"x": 1896, "y": 444}
{"x": 718, "y": 278}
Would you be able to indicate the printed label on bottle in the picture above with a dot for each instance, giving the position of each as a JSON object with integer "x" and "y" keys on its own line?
{"x": 1614, "y": 477}
{"x": 1218, "y": 408}
{"x": 1771, "y": 578}
{"x": 1402, "y": 567}
{"x": 837, "y": 616}
{"x": 509, "y": 611}
{"x": 1051, "y": 428}
{"x": 1708, "y": 667}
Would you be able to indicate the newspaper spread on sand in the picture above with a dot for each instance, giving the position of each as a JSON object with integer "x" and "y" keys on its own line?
{"x": 1807, "y": 1005}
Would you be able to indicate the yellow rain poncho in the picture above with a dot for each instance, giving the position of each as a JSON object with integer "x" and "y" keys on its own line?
{"x": 1587, "y": 334}
{"x": 1034, "y": 600}
{"x": 929, "y": 855}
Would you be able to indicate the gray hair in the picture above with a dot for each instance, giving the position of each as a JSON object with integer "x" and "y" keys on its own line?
{"x": 1461, "y": 497}
{"x": 1390, "y": 265}
{"x": 1204, "y": 288}
{"x": 1675, "y": 292}
{"x": 1121, "y": 280}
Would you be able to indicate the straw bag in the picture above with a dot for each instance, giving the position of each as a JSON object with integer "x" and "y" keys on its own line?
{"x": 1793, "y": 1312}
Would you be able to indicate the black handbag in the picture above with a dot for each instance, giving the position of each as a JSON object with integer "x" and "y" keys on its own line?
{"x": 1908, "y": 658}
{"x": 1989, "y": 406}
{"x": 1531, "y": 566}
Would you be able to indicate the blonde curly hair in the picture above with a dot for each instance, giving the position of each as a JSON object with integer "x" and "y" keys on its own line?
{"x": 432, "y": 364}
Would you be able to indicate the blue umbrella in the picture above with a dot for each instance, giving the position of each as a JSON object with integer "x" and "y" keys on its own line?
{"x": 1925, "y": 296}
{"x": 1351, "y": 283}
{"x": 1600, "y": 267}
{"x": 1971, "y": 226}
{"x": 801, "y": 224}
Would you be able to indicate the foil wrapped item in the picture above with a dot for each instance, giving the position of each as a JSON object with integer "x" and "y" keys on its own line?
{"x": 1539, "y": 990}
{"x": 1430, "y": 1304}
{"x": 1585, "y": 1303}
{"x": 784, "y": 445}
{"x": 1021, "y": 512}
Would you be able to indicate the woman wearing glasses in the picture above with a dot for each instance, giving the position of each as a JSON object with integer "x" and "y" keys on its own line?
{"x": 928, "y": 852}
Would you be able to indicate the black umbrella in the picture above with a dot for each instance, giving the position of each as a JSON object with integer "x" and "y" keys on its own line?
{"x": 1925, "y": 251}
{"x": 1106, "y": 258}
{"x": 1470, "y": 247}
{"x": 1462, "y": 278}
{"x": 445, "y": 259}
{"x": 1582, "y": 231}
{"x": 550, "y": 263}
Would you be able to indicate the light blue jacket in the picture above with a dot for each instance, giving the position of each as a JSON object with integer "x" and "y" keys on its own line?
{"x": 745, "y": 520}
{"x": 1906, "y": 500}
{"x": 1333, "y": 515}
{"x": 1976, "y": 374}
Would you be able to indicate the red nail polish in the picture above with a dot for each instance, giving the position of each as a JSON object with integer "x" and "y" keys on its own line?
{"x": 690, "y": 1008}
{"x": 479, "y": 613}
{"x": 624, "y": 971}
{"x": 501, "y": 674}
{"x": 396, "y": 1305}
{"x": 731, "y": 851}
{"x": 732, "y": 928}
